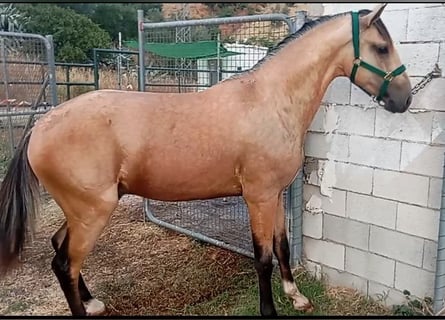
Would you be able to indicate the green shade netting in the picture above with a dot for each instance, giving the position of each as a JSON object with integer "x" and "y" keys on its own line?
{"x": 191, "y": 50}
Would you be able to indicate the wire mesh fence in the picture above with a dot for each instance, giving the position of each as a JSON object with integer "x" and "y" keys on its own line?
{"x": 27, "y": 86}
{"x": 193, "y": 58}
{"x": 190, "y": 57}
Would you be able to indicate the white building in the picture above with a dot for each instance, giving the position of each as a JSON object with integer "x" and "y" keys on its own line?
{"x": 230, "y": 65}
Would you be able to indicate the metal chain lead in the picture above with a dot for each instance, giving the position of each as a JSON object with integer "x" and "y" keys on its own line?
{"x": 437, "y": 72}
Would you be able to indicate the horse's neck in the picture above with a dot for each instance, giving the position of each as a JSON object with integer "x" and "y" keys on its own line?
{"x": 300, "y": 73}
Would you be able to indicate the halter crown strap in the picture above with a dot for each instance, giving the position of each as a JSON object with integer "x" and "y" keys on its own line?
{"x": 358, "y": 62}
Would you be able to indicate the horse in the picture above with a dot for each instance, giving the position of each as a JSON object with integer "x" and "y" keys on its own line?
{"x": 241, "y": 137}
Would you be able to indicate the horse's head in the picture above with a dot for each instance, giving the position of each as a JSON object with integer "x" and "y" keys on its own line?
{"x": 373, "y": 63}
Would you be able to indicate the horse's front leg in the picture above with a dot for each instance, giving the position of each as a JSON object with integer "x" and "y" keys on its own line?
{"x": 281, "y": 250}
{"x": 262, "y": 212}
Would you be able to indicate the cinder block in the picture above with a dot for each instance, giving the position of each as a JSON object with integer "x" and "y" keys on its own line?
{"x": 313, "y": 268}
{"x": 388, "y": 296}
{"x": 435, "y": 194}
{"x": 345, "y": 279}
{"x": 371, "y": 210}
{"x": 317, "y": 123}
{"x": 338, "y": 92}
{"x": 429, "y": 255}
{"x": 353, "y": 178}
{"x": 396, "y": 22}
{"x": 419, "y": 58}
{"x": 335, "y": 205}
{"x": 325, "y": 120}
{"x": 361, "y": 98}
{"x": 438, "y": 132}
{"x": 313, "y": 225}
{"x": 396, "y": 245}
{"x": 327, "y": 253}
{"x": 375, "y": 152}
{"x": 332, "y": 8}
{"x": 418, "y": 282}
{"x": 370, "y": 266}
{"x": 349, "y": 232}
{"x": 422, "y": 159}
{"x": 327, "y": 146}
{"x": 426, "y": 24}
{"x": 408, "y": 5}
{"x": 417, "y": 221}
{"x": 401, "y": 186}
{"x": 431, "y": 97}
{"x": 356, "y": 120}
{"x": 404, "y": 126}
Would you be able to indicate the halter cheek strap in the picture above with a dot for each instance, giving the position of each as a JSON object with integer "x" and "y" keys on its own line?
{"x": 358, "y": 62}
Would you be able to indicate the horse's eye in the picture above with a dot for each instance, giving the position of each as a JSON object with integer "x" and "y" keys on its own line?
{"x": 382, "y": 50}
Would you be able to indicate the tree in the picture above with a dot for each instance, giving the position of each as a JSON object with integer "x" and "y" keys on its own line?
{"x": 75, "y": 35}
{"x": 11, "y": 19}
{"x": 118, "y": 17}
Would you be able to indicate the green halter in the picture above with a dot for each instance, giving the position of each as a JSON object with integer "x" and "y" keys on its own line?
{"x": 358, "y": 62}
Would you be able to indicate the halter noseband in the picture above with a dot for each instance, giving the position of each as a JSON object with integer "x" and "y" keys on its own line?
{"x": 358, "y": 62}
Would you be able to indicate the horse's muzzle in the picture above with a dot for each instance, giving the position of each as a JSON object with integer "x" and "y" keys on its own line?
{"x": 397, "y": 103}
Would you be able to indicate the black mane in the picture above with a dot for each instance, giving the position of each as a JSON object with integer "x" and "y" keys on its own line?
{"x": 310, "y": 24}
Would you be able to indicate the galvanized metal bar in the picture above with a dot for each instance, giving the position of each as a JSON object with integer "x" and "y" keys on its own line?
{"x": 34, "y": 106}
{"x": 116, "y": 51}
{"x": 213, "y": 21}
{"x": 141, "y": 41}
{"x": 23, "y": 113}
{"x": 294, "y": 219}
{"x": 49, "y": 43}
{"x": 193, "y": 234}
{"x": 6, "y": 87}
{"x": 22, "y": 35}
{"x": 79, "y": 65}
{"x": 439, "y": 285}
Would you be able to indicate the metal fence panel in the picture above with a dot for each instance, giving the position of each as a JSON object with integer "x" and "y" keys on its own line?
{"x": 27, "y": 86}
{"x": 221, "y": 221}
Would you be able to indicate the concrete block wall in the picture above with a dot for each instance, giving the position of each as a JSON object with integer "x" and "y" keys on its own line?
{"x": 373, "y": 179}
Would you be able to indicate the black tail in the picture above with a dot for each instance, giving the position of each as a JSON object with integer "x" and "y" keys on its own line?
{"x": 19, "y": 195}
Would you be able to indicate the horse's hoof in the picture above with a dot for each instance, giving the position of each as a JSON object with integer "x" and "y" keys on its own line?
{"x": 94, "y": 307}
{"x": 306, "y": 307}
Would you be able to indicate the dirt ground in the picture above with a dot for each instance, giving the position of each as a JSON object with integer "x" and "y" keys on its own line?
{"x": 137, "y": 268}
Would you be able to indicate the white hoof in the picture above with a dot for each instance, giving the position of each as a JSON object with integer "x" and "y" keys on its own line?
{"x": 299, "y": 301}
{"x": 94, "y": 307}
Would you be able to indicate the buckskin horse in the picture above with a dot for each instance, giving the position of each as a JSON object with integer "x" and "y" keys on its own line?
{"x": 243, "y": 136}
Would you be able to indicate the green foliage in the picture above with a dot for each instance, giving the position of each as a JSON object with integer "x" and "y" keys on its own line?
{"x": 224, "y": 9}
{"x": 75, "y": 35}
{"x": 11, "y": 19}
{"x": 413, "y": 306}
{"x": 118, "y": 17}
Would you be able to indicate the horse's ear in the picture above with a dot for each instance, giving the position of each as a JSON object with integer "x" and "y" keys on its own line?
{"x": 370, "y": 18}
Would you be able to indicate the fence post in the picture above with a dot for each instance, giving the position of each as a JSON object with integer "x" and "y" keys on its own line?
{"x": 141, "y": 86}
{"x": 52, "y": 70}
{"x": 95, "y": 69}
{"x": 68, "y": 87}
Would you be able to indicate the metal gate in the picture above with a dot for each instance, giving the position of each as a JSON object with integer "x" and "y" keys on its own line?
{"x": 190, "y": 56}
{"x": 27, "y": 86}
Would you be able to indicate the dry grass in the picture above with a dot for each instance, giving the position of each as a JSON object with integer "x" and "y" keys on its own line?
{"x": 137, "y": 268}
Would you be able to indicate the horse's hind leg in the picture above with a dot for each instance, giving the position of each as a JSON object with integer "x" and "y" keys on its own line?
{"x": 281, "y": 250}
{"x": 262, "y": 213}
{"x": 85, "y": 222}
{"x": 92, "y": 305}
